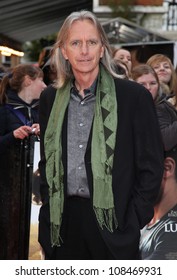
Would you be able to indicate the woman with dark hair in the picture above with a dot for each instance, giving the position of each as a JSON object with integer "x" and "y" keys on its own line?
{"x": 123, "y": 55}
{"x": 19, "y": 99}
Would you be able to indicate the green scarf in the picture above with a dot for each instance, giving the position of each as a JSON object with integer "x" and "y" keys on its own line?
{"x": 102, "y": 153}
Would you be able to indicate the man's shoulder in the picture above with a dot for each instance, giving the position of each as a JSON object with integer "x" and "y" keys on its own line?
{"x": 47, "y": 97}
{"x": 131, "y": 89}
{"x": 50, "y": 90}
{"x": 48, "y": 93}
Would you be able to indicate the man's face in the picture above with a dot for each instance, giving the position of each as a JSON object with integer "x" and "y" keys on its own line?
{"x": 83, "y": 47}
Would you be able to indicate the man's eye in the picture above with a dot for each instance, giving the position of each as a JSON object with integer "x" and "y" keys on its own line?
{"x": 92, "y": 43}
{"x": 75, "y": 43}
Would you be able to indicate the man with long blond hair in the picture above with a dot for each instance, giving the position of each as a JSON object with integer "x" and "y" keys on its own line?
{"x": 101, "y": 151}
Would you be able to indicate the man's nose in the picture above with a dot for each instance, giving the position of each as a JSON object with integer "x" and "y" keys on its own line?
{"x": 84, "y": 48}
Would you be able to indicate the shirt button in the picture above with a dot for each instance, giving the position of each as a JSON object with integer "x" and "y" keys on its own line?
{"x": 81, "y": 146}
{"x": 81, "y": 124}
{"x": 82, "y": 102}
{"x": 80, "y": 167}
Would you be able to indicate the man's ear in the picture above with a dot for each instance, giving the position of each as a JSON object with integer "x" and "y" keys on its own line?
{"x": 102, "y": 52}
{"x": 169, "y": 167}
{"x": 64, "y": 52}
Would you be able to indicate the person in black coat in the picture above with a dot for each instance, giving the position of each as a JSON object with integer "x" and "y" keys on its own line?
{"x": 167, "y": 116}
{"x": 158, "y": 237}
{"x": 19, "y": 104}
{"x": 97, "y": 194}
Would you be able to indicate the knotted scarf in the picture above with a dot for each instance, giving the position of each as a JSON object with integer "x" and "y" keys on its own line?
{"x": 102, "y": 153}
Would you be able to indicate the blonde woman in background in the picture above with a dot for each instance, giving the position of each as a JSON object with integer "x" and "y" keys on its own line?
{"x": 166, "y": 74}
{"x": 167, "y": 108}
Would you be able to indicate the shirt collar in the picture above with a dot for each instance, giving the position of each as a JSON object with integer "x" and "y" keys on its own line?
{"x": 87, "y": 91}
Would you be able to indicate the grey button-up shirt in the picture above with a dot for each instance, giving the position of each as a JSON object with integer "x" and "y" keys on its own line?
{"x": 80, "y": 116}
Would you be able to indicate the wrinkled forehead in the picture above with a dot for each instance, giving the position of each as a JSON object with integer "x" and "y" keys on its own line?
{"x": 81, "y": 28}
{"x": 82, "y": 22}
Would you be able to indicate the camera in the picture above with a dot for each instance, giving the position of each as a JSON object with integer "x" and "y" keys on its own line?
{"x": 33, "y": 130}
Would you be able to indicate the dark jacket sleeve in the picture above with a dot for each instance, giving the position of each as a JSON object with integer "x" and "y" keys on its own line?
{"x": 45, "y": 105}
{"x": 6, "y": 132}
{"x": 167, "y": 116}
{"x": 149, "y": 157}
{"x": 139, "y": 154}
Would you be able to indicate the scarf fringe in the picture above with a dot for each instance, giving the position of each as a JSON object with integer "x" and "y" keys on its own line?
{"x": 56, "y": 239}
{"x": 106, "y": 218}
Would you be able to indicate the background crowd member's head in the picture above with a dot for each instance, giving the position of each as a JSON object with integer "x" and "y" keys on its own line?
{"x": 17, "y": 79}
{"x": 146, "y": 76}
{"x": 122, "y": 69}
{"x": 165, "y": 71}
{"x": 123, "y": 55}
{"x": 44, "y": 64}
{"x": 168, "y": 190}
{"x": 2, "y": 72}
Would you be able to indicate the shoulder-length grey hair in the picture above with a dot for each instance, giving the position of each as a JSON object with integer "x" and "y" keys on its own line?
{"x": 61, "y": 65}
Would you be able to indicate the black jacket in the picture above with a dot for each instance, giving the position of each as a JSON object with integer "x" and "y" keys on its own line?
{"x": 167, "y": 116}
{"x": 14, "y": 195}
{"x": 9, "y": 121}
{"x": 137, "y": 168}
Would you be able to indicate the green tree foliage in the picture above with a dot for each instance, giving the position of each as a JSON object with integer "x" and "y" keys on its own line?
{"x": 121, "y": 8}
{"x": 32, "y": 49}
